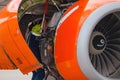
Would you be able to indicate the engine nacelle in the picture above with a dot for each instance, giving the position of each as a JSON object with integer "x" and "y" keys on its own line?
{"x": 86, "y": 41}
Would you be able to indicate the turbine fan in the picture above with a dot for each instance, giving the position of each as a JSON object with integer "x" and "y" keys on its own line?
{"x": 104, "y": 47}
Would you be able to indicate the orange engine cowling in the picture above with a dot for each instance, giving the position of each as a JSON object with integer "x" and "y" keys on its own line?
{"x": 86, "y": 41}
{"x": 14, "y": 52}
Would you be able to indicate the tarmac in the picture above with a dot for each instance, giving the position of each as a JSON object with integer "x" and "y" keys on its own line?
{"x": 16, "y": 75}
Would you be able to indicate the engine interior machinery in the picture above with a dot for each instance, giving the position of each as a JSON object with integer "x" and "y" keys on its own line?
{"x": 79, "y": 40}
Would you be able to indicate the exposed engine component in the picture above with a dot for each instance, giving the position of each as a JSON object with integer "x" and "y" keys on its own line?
{"x": 52, "y": 16}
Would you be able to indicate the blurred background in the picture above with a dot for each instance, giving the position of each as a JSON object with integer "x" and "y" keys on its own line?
{"x": 3, "y": 3}
{"x": 14, "y": 75}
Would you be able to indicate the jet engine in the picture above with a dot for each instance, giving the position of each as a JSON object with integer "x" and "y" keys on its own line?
{"x": 79, "y": 39}
{"x": 87, "y": 41}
